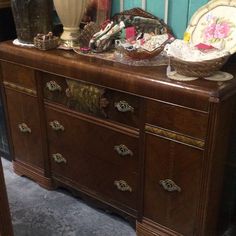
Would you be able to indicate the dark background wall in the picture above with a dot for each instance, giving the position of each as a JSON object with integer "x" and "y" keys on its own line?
{"x": 7, "y": 31}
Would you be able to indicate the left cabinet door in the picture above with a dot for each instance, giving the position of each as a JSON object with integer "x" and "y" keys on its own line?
{"x": 24, "y": 122}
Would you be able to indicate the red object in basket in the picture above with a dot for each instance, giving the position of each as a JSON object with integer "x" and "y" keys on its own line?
{"x": 202, "y": 46}
{"x": 130, "y": 33}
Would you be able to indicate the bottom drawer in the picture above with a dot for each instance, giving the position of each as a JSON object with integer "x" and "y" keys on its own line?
{"x": 99, "y": 177}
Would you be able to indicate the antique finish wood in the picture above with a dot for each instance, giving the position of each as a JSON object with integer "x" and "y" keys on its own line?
{"x": 92, "y": 165}
{"x": 5, "y": 218}
{"x": 182, "y": 164}
{"x": 92, "y": 99}
{"x": 128, "y": 138}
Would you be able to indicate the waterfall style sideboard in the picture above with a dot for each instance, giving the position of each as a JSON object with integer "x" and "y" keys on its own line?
{"x": 127, "y": 138}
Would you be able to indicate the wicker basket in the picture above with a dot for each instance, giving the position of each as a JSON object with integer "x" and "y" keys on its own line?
{"x": 141, "y": 54}
{"x": 163, "y": 27}
{"x": 87, "y": 33}
{"x": 198, "y": 69}
{"x": 45, "y": 42}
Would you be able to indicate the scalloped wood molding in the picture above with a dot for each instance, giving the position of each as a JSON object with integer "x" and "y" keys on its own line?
{"x": 4, "y": 3}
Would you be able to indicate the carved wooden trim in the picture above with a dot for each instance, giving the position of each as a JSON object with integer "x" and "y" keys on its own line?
{"x": 177, "y": 137}
{"x": 89, "y": 97}
{"x": 19, "y": 88}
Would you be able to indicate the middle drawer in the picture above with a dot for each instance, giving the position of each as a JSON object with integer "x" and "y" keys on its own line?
{"x": 92, "y": 99}
{"x": 96, "y": 157}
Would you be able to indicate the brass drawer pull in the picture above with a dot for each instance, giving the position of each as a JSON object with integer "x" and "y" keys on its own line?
{"x": 24, "y": 128}
{"x": 53, "y": 86}
{"x": 55, "y": 125}
{"x": 122, "y": 150}
{"x": 169, "y": 185}
{"x": 58, "y": 158}
{"x": 123, "y": 106}
{"x": 122, "y": 186}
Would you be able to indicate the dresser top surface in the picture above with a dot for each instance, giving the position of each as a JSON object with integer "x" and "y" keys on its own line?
{"x": 142, "y": 80}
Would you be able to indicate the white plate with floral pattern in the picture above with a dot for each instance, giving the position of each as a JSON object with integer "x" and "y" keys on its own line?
{"x": 214, "y": 24}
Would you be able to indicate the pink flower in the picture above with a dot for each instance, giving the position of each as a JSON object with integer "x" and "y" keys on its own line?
{"x": 217, "y": 31}
{"x": 222, "y": 30}
{"x": 209, "y": 32}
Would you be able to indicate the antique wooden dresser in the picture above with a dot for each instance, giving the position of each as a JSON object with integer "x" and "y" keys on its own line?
{"x": 126, "y": 138}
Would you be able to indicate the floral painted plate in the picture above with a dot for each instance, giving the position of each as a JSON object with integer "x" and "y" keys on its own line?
{"x": 214, "y": 24}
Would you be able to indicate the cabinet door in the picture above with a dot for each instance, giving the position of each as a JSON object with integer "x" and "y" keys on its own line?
{"x": 172, "y": 183}
{"x": 25, "y": 128}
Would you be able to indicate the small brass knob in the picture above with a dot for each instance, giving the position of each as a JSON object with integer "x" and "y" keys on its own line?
{"x": 24, "y": 128}
{"x": 123, "y": 106}
{"x": 122, "y": 186}
{"x": 55, "y": 125}
{"x": 122, "y": 150}
{"x": 53, "y": 86}
{"x": 169, "y": 185}
{"x": 58, "y": 158}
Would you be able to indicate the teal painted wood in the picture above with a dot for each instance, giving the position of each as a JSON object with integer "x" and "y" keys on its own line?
{"x": 156, "y": 7}
{"x": 132, "y": 3}
{"x": 194, "y": 5}
{"x": 180, "y": 11}
{"x": 178, "y": 16}
{"x": 115, "y": 7}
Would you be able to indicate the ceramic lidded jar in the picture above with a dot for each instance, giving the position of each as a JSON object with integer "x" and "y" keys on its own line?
{"x": 32, "y": 17}
{"x": 70, "y": 13}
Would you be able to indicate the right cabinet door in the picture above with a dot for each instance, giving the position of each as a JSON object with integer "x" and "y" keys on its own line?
{"x": 172, "y": 183}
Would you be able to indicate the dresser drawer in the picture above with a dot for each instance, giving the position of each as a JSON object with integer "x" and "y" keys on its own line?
{"x": 178, "y": 119}
{"x": 90, "y": 155}
{"x": 97, "y": 177}
{"x": 82, "y": 137}
{"x": 18, "y": 77}
{"x": 93, "y": 100}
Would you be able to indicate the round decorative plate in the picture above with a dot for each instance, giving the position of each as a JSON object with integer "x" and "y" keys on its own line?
{"x": 214, "y": 24}
{"x": 220, "y": 76}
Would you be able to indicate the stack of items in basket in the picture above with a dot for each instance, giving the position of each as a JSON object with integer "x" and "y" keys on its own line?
{"x": 140, "y": 34}
{"x": 208, "y": 42}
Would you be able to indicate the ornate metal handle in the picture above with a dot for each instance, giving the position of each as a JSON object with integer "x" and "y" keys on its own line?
{"x": 58, "y": 158}
{"x": 56, "y": 125}
{"x": 169, "y": 185}
{"x": 53, "y": 86}
{"x": 123, "y": 106}
{"x": 24, "y": 128}
{"x": 122, "y": 186}
{"x": 122, "y": 150}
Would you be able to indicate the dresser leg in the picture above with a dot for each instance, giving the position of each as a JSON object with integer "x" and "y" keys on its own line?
{"x": 149, "y": 228}
{"x": 35, "y": 174}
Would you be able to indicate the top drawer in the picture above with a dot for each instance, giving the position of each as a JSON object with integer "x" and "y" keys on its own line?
{"x": 93, "y": 100}
{"x": 178, "y": 119}
{"x": 18, "y": 77}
